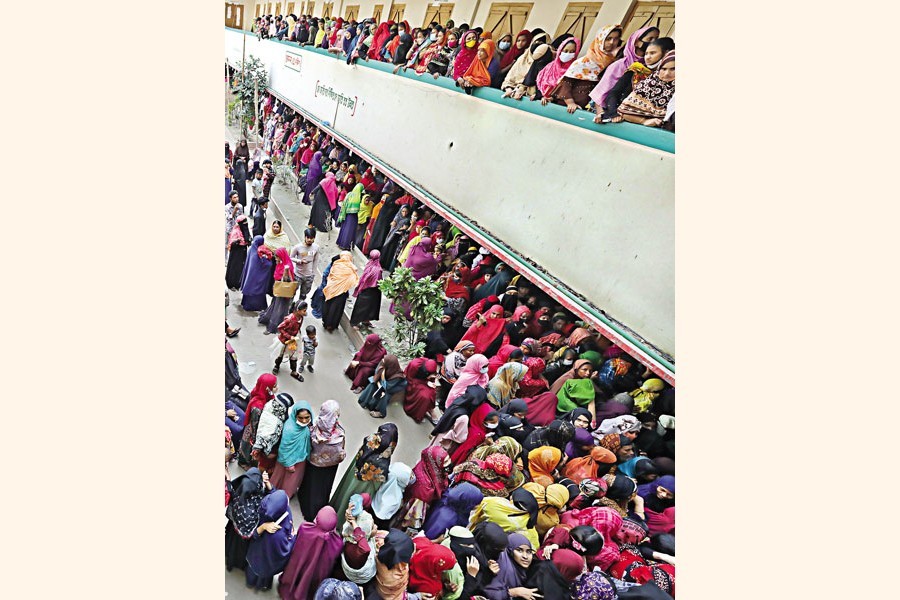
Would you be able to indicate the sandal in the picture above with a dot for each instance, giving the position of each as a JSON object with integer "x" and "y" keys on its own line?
{"x": 297, "y": 376}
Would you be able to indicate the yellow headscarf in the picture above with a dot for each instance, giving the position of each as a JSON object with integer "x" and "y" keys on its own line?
{"x": 550, "y": 501}
{"x": 342, "y": 277}
{"x": 505, "y": 514}
{"x": 647, "y": 393}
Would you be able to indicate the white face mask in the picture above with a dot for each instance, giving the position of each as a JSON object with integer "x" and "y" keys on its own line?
{"x": 566, "y": 56}
{"x": 568, "y": 362}
{"x": 484, "y": 369}
{"x": 504, "y": 45}
{"x": 432, "y": 37}
{"x": 491, "y": 425}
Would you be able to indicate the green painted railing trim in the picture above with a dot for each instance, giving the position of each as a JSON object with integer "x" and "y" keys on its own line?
{"x": 650, "y": 137}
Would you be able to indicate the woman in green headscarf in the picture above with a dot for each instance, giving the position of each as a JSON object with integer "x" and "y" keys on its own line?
{"x": 575, "y": 392}
{"x": 349, "y": 217}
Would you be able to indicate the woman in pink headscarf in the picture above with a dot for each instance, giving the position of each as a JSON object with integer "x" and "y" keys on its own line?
{"x": 474, "y": 373}
{"x": 634, "y": 52}
{"x": 280, "y": 307}
{"x": 316, "y": 549}
{"x": 325, "y": 196}
{"x": 368, "y": 296}
{"x": 422, "y": 260}
{"x": 553, "y": 73}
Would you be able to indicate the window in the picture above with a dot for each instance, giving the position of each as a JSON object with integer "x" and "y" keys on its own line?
{"x": 234, "y": 15}
{"x": 578, "y": 20}
{"x": 655, "y": 14}
{"x": 290, "y": 9}
{"x": 310, "y": 7}
{"x": 328, "y": 10}
{"x": 397, "y": 11}
{"x": 277, "y": 8}
{"x": 352, "y": 12}
{"x": 441, "y": 14}
{"x": 507, "y": 18}
{"x": 376, "y": 12}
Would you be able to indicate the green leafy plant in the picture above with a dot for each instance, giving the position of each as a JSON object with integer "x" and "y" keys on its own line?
{"x": 418, "y": 308}
{"x": 252, "y": 76}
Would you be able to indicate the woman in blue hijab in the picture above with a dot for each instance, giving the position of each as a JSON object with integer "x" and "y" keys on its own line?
{"x": 255, "y": 278}
{"x": 272, "y": 541}
{"x": 452, "y": 510}
{"x": 293, "y": 449}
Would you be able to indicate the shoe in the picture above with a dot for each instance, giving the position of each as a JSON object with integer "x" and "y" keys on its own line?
{"x": 297, "y": 376}
{"x": 309, "y": 368}
{"x": 267, "y": 332}
{"x": 233, "y": 333}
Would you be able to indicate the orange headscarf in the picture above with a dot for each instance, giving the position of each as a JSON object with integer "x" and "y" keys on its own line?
{"x": 477, "y": 73}
{"x": 342, "y": 277}
{"x": 541, "y": 462}
{"x": 586, "y": 467}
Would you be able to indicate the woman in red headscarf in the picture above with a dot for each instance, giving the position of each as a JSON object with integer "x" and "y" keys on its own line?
{"x": 426, "y": 569}
{"x": 500, "y": 359}
{"x": 421, "y": 389}
{"x": 481, "y": 417}
{"x": 263, "y": 391}
{"x": 521, "y": 43}
{"x": 365, "y": 361}
{"x": 488, "y": 332}
{"x": 430, "y": 484}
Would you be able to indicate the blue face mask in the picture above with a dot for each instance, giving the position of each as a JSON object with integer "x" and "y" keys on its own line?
{"x": 504, "y": 45}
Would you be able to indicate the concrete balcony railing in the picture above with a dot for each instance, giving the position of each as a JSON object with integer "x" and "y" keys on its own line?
{"x": 585, "y": 211}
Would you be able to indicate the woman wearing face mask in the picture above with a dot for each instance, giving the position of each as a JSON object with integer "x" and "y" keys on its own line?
{"x": 482, "y": 425}
{"x": 422, "y": 42}
{"x": 474, "y": 373}
{"x": 429, "y": 483}
{"x": 582, "y": 74}
{"x": 635, "y": 50}
{"x": 293, "y": 450}
{"x": 634, "y": 74}
{"x": 550, "y": 78}
{"x": 452, "y": 510}
{"x": 513, "y": 85}
{"x": 502, "y": 388}
{"x": 442, "y": 58}
{"x": 477, "y": 75}
{"x": 423, "y": 57}
{"x": 453, "y": 427}
{"x": 514, "y": 50}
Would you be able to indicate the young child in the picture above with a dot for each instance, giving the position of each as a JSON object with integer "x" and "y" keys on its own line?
{"x": 256, "y": 185}
{"x": 309, "y": 348}
{"x": 287, "y": 335}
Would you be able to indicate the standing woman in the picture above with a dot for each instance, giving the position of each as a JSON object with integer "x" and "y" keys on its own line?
{"x": 348, "y": 217}
{"x": 391, "y": 568}
{"x": 318, "y": 299}
{"x": 429, "y": 484}
{"x": 256, "y": 276}
{"x": 341, "y": 279}
{"x": 280, "y": 307}
{"x": 239, "y": 179}
{"x": 551, "y": 75}
{"x": 363, "y": 364}
{"x": 327, "y": 450}
{"x": 389, "y": 498}
{"x": 228, "y": 177}
{"x": 397, "y": 233}
{"x": 238, "y": 241}
{"x": 422, "y": 260}
{"x": 313, "y": 177}
{"x": 635, "y": 49}
{"x": 271, "y": 544}
{"x": 368, "y": 297}
{"x": 293, "y": 449}
{"x": 243, "y": 516}
{"x": 421, "y": 389}
{"x": 262, "y": 393}
{"x": 321, "y": 215}
{"x": 369, "y": 469}
{"x": 268, "y": 431}
{"x": 316, "y": 549}
{"x": 387, "y": 381}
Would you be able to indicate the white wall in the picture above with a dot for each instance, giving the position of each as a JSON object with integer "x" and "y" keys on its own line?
{"x": 597, "y": 212}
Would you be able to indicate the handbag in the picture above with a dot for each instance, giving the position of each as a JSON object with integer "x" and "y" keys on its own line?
{"x": 285, "y": 289}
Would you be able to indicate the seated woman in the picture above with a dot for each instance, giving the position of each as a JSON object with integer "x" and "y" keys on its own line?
{"x": 580, "y": 77}
{"x": 387, "y": 383}
{"x": 477, "y": 74}
{"x": 635, "y": 50}
{"x": 647, "y": 104}
{"x": 421, "y": 389}
{"x": 634, "y": 74}
{"x": 363, "y": 364}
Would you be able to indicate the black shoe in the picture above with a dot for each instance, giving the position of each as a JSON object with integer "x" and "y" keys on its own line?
{"x": 309, "y": 368}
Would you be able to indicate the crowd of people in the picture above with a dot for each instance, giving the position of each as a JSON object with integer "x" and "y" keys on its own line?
{"x": 550, "y": 468}
{"x": 618, "y": 79}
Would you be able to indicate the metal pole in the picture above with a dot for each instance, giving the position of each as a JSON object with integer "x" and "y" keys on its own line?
{"x": 255, "y": 108}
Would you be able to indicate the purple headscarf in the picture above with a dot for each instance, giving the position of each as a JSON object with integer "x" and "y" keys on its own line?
{"x": 316, "y": 548}
{"x": 649, "y": 489}
{"x": 255, "y": 278}
{"x": 582, "y": 437}
{"x": 313, "y": 176}
{"x": 268, "y": 554}
{"x": 371, "y": 273}
{"x": 511, "y": 575}
{"x": 453, "y": 509}
{"x": 421, "y": 260}
{"x": 614, "y": 72}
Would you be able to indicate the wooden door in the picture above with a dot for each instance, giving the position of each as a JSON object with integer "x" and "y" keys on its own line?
{"x": 441, "y": 14}
{"x": 310, "y": 8}
{"x": 277, "y": 8}
{"x": 351, "y": 13}
{"x": 507, "y": 18}
{"x": 578, "y": 20}
{"x": 655, "y": 14}
{"x": 238, "y": 16}
{"x": 397, "y": 11}
{"x": 230, "y": 14}
{"x": 290, "y": 9}
{"x": 328, "y": 10}
{"x": 376, "y": 12}
{"x": 258, "y": 9}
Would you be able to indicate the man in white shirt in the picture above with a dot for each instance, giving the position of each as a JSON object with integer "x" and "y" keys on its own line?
{"x": 304, "y": 257}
